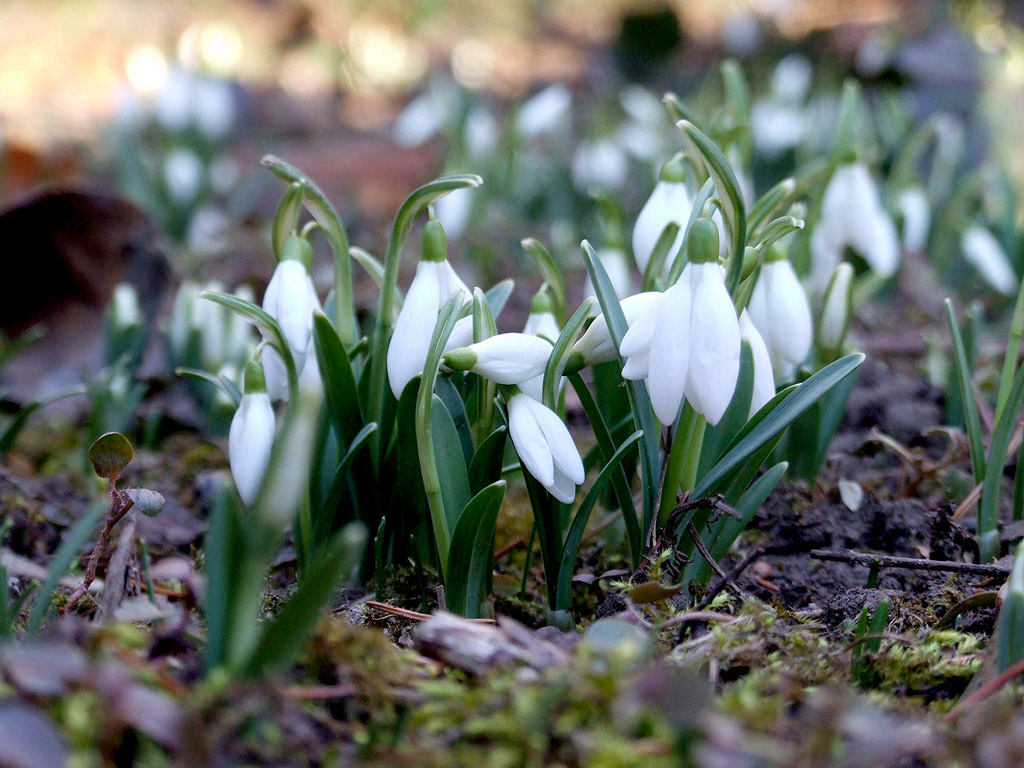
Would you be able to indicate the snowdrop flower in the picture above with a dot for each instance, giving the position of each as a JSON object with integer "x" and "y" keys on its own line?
{"x": 764, "y": 382}
{"x": 688, "y": 343}
{"x": 125, "y": 311}
{"x": 791, "y": 79}
{"x": 601, "y": 163}
{"x": 421, "y": 119}
{"x": 480, "y": 132}
{"x": 669, "y": 202}
{"x": 453, "y": 211}
{"x": 290, "y": 299}
{"x": 544, "y": 111}
{"x": 835, "y": 312}
{"x": 251, "y": 436}
{"x": 595, "y": 345}
{"x": 207, "y": 231}
{"x": 540, "y": 322}
{"x": 434, "y": 283}
{"x": 545, "y": 447}
{"x": 780, "y": 312}
{"x": 508, "y": 358}
{"x": 183, "y": 175}
{"x": 852, "y": 215}
{"x": 913, "y": 206}
{"x": 986, "y": 255}
{"x": 174, "y": 102}
{"x": 213, "y": 107}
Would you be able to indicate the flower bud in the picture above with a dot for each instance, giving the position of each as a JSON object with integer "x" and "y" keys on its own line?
{"x": 508, "y": 358}
{"x": 985, "y": 254}
{"x": 835, "y": 312}
{"x": 251, "y": 436}
{"x": 702, "y": 242}
{"x": 434, "y": 242}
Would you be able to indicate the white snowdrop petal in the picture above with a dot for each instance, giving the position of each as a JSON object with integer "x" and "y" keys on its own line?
{"x": 985, "y": 254}
{"x": 789, "y": 327}
{"x": 563, "y": 450}
{"x": 413, "y": 329}
{"x": 250, "y": 441}
{"x": 562, "y": 487}
{"x": 641, "y": 332}
{"x": 764, "y": 382}
{"x": 528, "y": 439}
{"x": 670, "y": 353}
{"x": 715, "y": 346}
{"x": 637, "y": 367}
{"x": 669, "y": 202}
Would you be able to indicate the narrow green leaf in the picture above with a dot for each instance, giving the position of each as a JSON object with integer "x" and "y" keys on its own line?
{"x": 999, "y": 445}
{"x": 284, "y": 637}
{"x": 962, "y": 368}
{"x": 322, "y": 526}
{"x": 780, "y": 416}
{"x": 775, "y": 230}
{"x": 497, "y": 295}
{"x": 456, "y": 408}
{"x": 656, "y": 264}
{"x": 340, "y": 392}
{"x": 550, "y": 273}
{"x": 571, "y": 548}
{"x": 771, "y": 201}
{"x": 486, "y": 465}
{"x": 560, "y": 353}
{"x": 471, "y": 558}
{"x": 222, "y": 547}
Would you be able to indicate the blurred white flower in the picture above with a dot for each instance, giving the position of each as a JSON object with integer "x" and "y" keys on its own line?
{"x": 481, "y": 132}
{"x": 986, "y": 255}
{"x": 544, "y": 112}
{"x": 183, "y": 175}
{"x": 213, "y": 107}
{"x": 915, "y": 210}
{"x": 780, "y": 311}
{"x": 764, "y": 381}
{"x": 852, "y": 215}
{"x": 835, "y": 312}
{"x": 545, "y": 447}
{"x": 420, "y": 121}
{"x": 174, "y": 101}
{"x": 453, "y": 211}
{"x": 616, "y": 264}
{"x": 207, "y": 231}
{"x": 602, "y": 163}
{"x": 791, "y": 79}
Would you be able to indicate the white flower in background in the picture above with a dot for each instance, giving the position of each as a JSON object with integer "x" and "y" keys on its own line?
{"x": 616, "y": 264}
{"x": 915, "y": 211}
{"x": 453, "y": 211}
{"x": 602, "y": 163}
{"x": 986, "y": 255}
{"x": 507, "y": 358}
{"x": 480, "y": 132}
{"x": 207, "y": 231}
{"x": 210, "y": 320}
{"x": 791, "y": 79}
{"x": 544, "y": 112}
{"x": 545, "y": 447}
{"x": 778, "y": 123}
{"x": 124, "y": 303}
{"x": 434, "y": 283}
{"x": 852, "y": 215}
{"x": 238, "y": 332}
{"x": 595, "y": 345}
{"x": 669, "y": 202}
{"x": 643, "y": 133}
{"x": 835, "y": 311}
{"x": 224, "y": 174}
{"x": 251, "y": 436}
{"x": 420, "y": 121}
{"x": 764, "y": 381}
{"x": 174, "y": 101}
{"x": 688, "y": 343}
{"x": 183, "y": 175}
{"x": 290, "y": 299}
{"x": 780, "y": 311}
{"x": 213, "y": 107}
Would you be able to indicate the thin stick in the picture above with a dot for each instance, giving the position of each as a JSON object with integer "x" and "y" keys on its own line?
{"x": 730, "y": 578}
{"x": 986, "y": 690}
{"x": 698, "y": 542}
{"x": 405, "y": 613}
{"x": 910, "y": 563}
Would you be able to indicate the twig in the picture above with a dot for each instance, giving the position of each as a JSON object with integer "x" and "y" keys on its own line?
{"x": 730, "y": 578}
{"x": 709, "y": 616}
{"x": 910, "y": 563}
{"x": 986, "y": 690}
{"x": 319, "y": 692}
{"x": 512, "y": 545}
{"x": 405, "y": 613}
{"x": 698, "y": 542}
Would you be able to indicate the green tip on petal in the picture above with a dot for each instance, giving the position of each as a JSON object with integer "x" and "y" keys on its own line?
{"x": 255, "y": 382}
{"x": 460, "y": 359}
{"x": 435, "y": 241}
{"x": 674, "y": 170}
{"x": 298, "y": 249}
{"x": 702, "y": 242}
{"x": 541, "y": 301}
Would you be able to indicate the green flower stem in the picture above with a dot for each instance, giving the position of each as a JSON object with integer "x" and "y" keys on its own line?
{"x": 1012, "y": 349}
{"x": 683, "y": 460}
{"x": 424, "y": 434}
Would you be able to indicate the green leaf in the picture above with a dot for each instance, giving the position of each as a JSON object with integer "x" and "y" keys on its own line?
{"x": 286, "y": 217}
{"x": 10, "y": 432}
{"x": 322, "y": 522}
{"x": 497, "y": 295}
{"x": 717, "y": 437}
{"x": 775, "y": 419}
{"x": 222, "y": 548}
{"x": 451, "y": 462}
{"x": 620, "y": 483}
{"x": 265, "y": 323}
{"x": 640, "y": 401}
{"x": 579, "y": 524}
{"x": 962, "y": 369}
{"x": 550, "y": 272}
{"x": 110, "y": 454}
{"x": 284, "y": 637}
{"x": 452, "y": 399}
{"x": 146, "y": 501}
{"x": 340, "y": 391}
{"x": 700, "y": 149}
{"x": 67, "y": 553}
{"x": 209, "y": 378}
{"x": 775, "y": 230}
{"x": 560, "y": 353}
{"x": 486, "y": 465}
{"x": 771, "y": 201}
{"x": 659, "y": 255}
{"x": 471, "y": 558}
{"x": 999, "y": 445}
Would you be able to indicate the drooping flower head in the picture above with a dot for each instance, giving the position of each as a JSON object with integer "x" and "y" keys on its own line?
{"x": 780, "y": 311}
{"x": 835, "y": 311}
{"x": 290, "y": 299}
{"x": 545, "y": 447}
{"x": 986, "y": 255}
{"x": 251, "y": 436}
{"x": 669, "y": 202}
{"x": 434, "y": 283}
{"x": 687, "y": 344}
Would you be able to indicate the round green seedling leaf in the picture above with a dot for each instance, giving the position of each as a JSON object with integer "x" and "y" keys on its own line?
{"x": 110, "y": 454}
